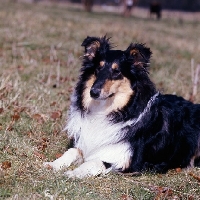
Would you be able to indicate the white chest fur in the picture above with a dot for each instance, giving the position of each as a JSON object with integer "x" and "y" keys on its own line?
{"x": 92, "y": 132}
{"x": 98, "y": 138}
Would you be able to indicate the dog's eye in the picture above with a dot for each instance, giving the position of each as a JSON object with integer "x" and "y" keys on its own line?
{"x": 102, "y": 63}
{"x": 97, "y": 70}
{"x": 116, "y": 74}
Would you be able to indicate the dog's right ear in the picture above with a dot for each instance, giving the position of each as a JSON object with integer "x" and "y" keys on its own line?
{"x": 140, "y": 54}
{"x": 93, "y": 45}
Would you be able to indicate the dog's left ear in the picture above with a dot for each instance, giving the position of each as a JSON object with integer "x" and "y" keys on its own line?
{"x": 93, "y": 45}
{"x": 139, "y": 54}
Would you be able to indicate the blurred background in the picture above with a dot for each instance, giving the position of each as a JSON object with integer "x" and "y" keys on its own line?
{"x": 40, "y": 60}
{"x": 186, "y": 5}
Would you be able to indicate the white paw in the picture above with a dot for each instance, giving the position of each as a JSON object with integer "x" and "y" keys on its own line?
{"x": 87, "y": 169}
{"x": 75, "y": 174}
{"x": 71, "y": 156}
{"x": 70, "y": 174}
{"x": 52, "y": 165}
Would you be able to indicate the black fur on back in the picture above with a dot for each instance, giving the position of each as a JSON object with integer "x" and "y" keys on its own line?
{"x": 167, "y": 137}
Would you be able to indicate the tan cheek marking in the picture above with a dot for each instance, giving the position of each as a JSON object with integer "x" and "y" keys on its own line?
{"x": 115, "y": 86}
{"x": 125, "y": 86}
{"x": 107, "y": 86}
{"x": 123, "y": 94}
{"x": 115, "y": 66}
{"x": 102, "y": 63}
{"x": 111, "y": 87}
{"x": 121, "y": 89}
{"x": 86, "y": 94}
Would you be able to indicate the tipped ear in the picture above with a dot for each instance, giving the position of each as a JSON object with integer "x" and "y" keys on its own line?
{"x": 139, "y": 54}
{"x": 94, "y": 44}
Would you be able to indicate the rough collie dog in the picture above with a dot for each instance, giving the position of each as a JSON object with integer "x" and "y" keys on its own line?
{"x": 120, "y": 122}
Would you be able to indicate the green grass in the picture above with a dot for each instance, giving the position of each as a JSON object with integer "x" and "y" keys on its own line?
{"x": 40, "y": 50}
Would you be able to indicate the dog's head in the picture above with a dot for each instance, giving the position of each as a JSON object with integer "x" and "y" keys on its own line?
{"x": 112, "y": 74}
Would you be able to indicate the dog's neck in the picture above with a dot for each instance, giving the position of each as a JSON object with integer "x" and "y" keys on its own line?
{"x": 143, "y": 113}
{"x": 103, "y": 107}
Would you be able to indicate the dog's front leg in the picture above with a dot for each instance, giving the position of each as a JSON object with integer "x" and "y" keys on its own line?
{"x": 87, "y": 169}
{"x": 73, "y": 155}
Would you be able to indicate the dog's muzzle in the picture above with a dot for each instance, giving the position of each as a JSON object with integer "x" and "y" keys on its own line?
{"x": 95, "y": 93}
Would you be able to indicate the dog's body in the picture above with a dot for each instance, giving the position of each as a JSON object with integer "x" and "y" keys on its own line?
{"x": 120, "y": 122}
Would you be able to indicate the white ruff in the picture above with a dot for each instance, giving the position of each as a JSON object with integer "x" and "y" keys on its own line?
{"x": 98, "y": 138}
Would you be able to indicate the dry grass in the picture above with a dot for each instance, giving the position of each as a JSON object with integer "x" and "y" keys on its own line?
{"x": 39, "y": 64}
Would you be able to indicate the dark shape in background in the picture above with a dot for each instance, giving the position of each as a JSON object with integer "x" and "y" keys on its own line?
{"x": 185, "y": 5}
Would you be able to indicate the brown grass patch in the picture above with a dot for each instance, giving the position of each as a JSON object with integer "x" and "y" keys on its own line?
{"x": 39, "y": 64}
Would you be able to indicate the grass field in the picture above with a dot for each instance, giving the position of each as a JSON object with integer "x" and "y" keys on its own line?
{"x": 40, "y": 49}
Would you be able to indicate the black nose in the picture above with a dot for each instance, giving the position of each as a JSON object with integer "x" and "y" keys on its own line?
{"x": 95, "y": 93}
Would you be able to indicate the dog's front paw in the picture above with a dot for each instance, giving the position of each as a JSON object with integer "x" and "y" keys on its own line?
{"x": 87, "y": 169}
{"x": 75, "y": 174}
{"x": 70, "y": 174}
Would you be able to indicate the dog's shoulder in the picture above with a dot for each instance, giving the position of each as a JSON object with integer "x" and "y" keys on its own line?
{"x": 176, "y": 109}
{"x": 173, "y": 101}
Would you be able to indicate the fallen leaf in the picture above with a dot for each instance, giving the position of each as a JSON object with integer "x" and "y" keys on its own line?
{"x": 10, "y": 126}
{"x": 53, "y": 76}
{"x": 48, "y": 166}
{"x": 178, "y": 170}
{"x": 53, "y": 103}
{"x": 15, "y": 117}
{"x": 1, "y": 110}
{"x": 161, "y": 192}
{"x": 46, "y": 60}
{"x": 194, "y": 176}
{"x": 56, "y": 115}
{"x": 39, "y": 155}
{"x": 42, "y": 145}
{"x": 39, "y": 118}
{"x": 20, "y": 67}
{"x": 29, "y": 133}
{"x": 18, "y": 110}
{"x": 63, "y": 79}
{"x": 23, "y": 155}
{"x": 58, "y": 155}
{"x": 45, "y": 139}
{"x": 5, "y": 165}
{"x": 15, "y": 103}
{"x": 191, "y": 197}
{"x": 55, "y": 132}
{"x": 61, "y": 93}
